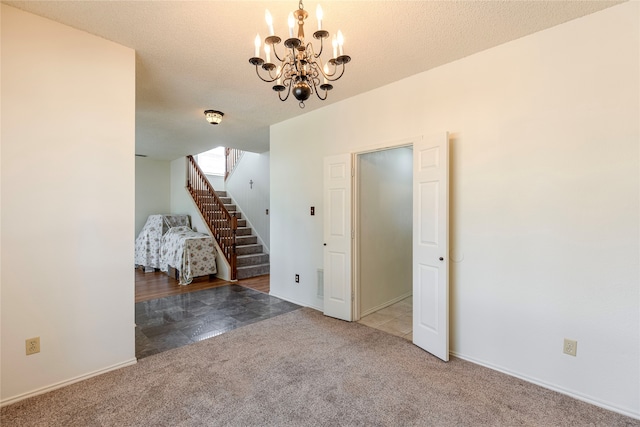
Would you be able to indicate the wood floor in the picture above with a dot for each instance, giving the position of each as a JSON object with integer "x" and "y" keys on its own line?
{"x": 159, "y": 285}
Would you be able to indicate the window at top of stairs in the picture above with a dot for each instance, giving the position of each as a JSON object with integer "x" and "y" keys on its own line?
{"x": 212, "y": 162}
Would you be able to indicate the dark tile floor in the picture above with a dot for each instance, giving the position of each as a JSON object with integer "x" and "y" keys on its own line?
{"x": 166, "y": 323}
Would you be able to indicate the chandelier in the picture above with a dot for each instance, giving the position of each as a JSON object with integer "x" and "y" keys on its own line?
{"x": 300, "y": 70}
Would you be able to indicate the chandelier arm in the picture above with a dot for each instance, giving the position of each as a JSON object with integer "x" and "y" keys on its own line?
{"x": 261, "y": 78}
{"x": 309, "y": 48}
{"x": 326, "y": 92}
{"x": 315, "y": 76}
{"x": 321, "y": 48}
{"x": 331, "y": 76}
{"x": 333, "y": 79}
{"x": 273, "y": 49}
{"x": 320, "y": 67}
{"x": 288, "y": 93}
{"x": 273, "y": 79}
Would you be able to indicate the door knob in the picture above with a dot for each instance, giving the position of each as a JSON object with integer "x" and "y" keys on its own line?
{"x": 325, "y": 244}
{"x": 441, "y": 259}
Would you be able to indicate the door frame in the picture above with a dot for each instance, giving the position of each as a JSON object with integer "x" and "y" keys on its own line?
{"x": 355, "y": 212}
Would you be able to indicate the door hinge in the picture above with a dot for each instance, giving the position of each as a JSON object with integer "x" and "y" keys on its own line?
{"x": 353, "y": 234}
{"x": 353, "y": 172}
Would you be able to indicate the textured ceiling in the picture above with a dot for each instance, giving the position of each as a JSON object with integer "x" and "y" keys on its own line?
{"x": 193, "y": 55}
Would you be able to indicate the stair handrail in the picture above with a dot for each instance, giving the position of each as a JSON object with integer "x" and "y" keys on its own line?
{"x": 222, "y": 224}
{"x": 232, "y": 157}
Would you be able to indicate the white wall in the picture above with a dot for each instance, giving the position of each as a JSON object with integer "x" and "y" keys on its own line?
{"x": 545, "y": 188}
{"x": 153, "y": 195}
{"x": 253, "y": 202}
{"x": 68, "y": 136}
{"x": 182, "y": 203}
{"x": 217, "y": 182}
{"x": 384, "y": 227}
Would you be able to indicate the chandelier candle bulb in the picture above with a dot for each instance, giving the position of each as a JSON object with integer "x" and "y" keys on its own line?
{"x": 279, "y": 81}
{"x": 269, "y": 19}
{"x": 334, "y": 43}
{"x": 267, "y": 52}
{"x": 319, "y": 16}
{"x": 326, "y": 71}
{"x": 291, "y": 24}
{"x": 257, "y": 43}
{"x": 340, "y": 42}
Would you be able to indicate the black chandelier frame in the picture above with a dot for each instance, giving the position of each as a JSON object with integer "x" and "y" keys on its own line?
{"x": 301, "y": 68}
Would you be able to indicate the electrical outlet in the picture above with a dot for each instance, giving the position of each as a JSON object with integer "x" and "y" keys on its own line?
{"x": 32, "y": 345}
{"x": 297, "y": 278}
{"x": 313, "y": 210}
{"x": 570, "y": 347}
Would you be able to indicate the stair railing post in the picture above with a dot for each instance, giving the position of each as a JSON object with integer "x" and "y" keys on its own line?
{"x": 234, "y": 257}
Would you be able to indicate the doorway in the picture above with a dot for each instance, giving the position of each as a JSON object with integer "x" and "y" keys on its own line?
{"x": 430, "y": 240}
{"x": 384, "y": 229}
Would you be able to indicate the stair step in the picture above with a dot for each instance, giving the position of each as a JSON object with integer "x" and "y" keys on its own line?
{"x": 230, "y": 207}
{"x": 240, "y": 231}
{"x": 252, "y": 259}
{"x": 241, "y": 222}
{"x": 248, "y": 249}
{"x": 246, "y": 240}
{"x": 243, "y": 231}
{"x": 226, "y": 200}
{"x": 252, "y": 271}
{"x": 238, "y": 215}
{"x": 221, "y": 193}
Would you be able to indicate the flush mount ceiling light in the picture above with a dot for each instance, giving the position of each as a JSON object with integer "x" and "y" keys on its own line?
{"x": 214, "y": 117}
{"x": 300, "y": 70}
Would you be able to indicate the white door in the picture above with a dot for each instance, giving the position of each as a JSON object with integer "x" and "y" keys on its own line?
{"x": 337, "y": 236}
{"x": 430, "y": 245}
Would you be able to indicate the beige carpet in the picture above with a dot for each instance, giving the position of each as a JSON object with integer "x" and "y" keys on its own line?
{"x": 303, "y": 369}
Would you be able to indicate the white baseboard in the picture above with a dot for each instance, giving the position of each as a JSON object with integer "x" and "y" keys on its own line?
{"x": 571, "y": 393}
{"x": 386, "y": 304}
{"x": 64, "y": 383}
{"x": 288, "y": 299}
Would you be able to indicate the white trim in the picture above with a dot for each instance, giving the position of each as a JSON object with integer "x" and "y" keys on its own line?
{"x": 355, "y": 244}
{"x": 64, "y": 383}
{"x": 571, "y": 393}
{"x": 387, "y": 145}
{"x": 293, "y": 301}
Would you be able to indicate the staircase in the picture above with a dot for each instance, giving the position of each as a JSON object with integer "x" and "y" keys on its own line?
{"x": 251, "y": 259}
{"x": 237, "y": 243}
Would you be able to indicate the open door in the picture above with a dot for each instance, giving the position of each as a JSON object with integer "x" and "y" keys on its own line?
{"x": 431, "y": 245}
{"x": 337, "y": 237}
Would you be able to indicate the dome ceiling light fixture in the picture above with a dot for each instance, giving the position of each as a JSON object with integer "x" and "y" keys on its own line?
{"x": 214, "y": 117}
{"x": 300, "y": 70}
